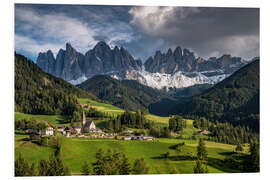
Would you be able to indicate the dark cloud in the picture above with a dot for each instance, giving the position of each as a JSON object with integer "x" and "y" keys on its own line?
{"x": 206, "y": 30}
{"x": 141, "y": 30}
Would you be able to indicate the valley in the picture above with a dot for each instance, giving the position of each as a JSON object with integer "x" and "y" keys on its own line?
{"x": 50, "y": 122}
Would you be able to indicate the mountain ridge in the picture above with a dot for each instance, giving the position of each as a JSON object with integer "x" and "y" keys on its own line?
{"x": 235, "y": 99}
{"x": 178, "y": 65}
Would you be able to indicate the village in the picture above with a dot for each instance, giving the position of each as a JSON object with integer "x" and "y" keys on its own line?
{"x": 87, "y": 129}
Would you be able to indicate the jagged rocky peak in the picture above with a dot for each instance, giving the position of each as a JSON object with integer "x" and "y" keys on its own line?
{"x": 70, "y": 64}
{"x": 46, "y": 61}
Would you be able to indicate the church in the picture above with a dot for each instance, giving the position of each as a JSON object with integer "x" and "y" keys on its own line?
{"x": 87, "y": 126}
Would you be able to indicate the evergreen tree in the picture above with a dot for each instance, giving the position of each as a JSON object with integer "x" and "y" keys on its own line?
{"x": 85, "y": 169}
{"x": 252, "y": 162}
{"x": 199, "y": 167}
{"x": 32, "y": 171}
{"x": 140, "y": 167}
{"x": 99, "y": 164}
{"x": 201, "y": 150}
{"x": 43, "y": 168}
{"x": 125, "y": 166}
{"x": 21, "y": 167}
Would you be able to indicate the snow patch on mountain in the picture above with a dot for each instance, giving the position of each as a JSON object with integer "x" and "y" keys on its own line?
{"x": 160, "y": 80}
{"x": 79, "y": 80}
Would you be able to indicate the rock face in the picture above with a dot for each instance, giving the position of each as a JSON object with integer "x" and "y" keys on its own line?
{"x": 185, "y": 61}
{"x": 46, "y": 61}
{"x": 178, "y": 68}
{"x": 71, "y": 65}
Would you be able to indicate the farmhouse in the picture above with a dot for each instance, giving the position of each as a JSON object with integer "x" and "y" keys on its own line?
{"x": 68, "y": 131}
{"x": 61, "y": 129}
{"x": 126, "y": 138}
{"x": 77, "y": 129}
{"x": 141, "y": 138}
{"x": 48, "y": 131}
{"x": 203, "y": 132}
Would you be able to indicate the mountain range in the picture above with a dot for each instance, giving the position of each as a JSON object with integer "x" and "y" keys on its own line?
{"x": 178, "y": 68}
{"x": 235, "y": 99}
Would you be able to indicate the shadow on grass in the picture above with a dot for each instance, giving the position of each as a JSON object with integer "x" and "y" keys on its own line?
{"x": 227, "y": 153}
{"x": 63, "y": 120}
{"x": 232, "y": 164}
{"x": 176, "y": 158}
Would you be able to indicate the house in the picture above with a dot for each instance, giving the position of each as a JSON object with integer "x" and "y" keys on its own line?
{"x": 31, "y": 131}
{"x": 61, "y": 129}
{"x": 86, "y": 106}
{"x": 203, "y": 132}
{"x": 126, "y": 138}
{"x": 68, "y": 131}
{"x": 88, "y": 126}
{"x": 34, "y": 136}
{"x": 48, "y": 131}
{"x": 148, "y": 138}
{"x": 142, "y": 138}
{"x": 77, "y": 129}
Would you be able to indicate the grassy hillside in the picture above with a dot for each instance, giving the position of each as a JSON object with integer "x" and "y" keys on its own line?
{"x": 234, "y": 100}
{"x": 31, "y": 151}
{"x": 52, "y": 119}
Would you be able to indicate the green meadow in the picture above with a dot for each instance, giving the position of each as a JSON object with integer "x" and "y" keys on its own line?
{"x": 53, "y": 119}
{"x": 75, "y": 151}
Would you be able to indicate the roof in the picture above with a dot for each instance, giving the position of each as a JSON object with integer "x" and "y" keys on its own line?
{"x": 69, "y": 128}
{"x": 49, "y": 124}
{"x": 88, "y": 123}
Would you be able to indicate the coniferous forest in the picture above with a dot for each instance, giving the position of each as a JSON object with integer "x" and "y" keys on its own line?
{"x": 37, "y": 92}
{"x": 234, "y": 100}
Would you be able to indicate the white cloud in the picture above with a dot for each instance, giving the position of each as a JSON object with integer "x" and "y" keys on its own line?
{"x": 57, "y": 27}
{"x": 50, "y": 31}
{"x": 32, "y": 47}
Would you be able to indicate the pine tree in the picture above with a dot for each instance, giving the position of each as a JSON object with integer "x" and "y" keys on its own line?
{"x": 85, "y": 169}
{"x": 99, "y": 164}
{"x": 199, "y": 167}
{"x": 140, "y": 167}
{"x": 201, "y": 150}
{"x": 252, "y": 162}
{"x": 125, "y": 166}
{"x": 21, "y": 167}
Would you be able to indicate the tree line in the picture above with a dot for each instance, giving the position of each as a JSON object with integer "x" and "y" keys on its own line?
{"x": 177, "y": 123}
{"x": 30, "y": 123}
{"x": 127, "y": 119}
{"x": 51, "y": 167}
{"x": 226, "y": 132}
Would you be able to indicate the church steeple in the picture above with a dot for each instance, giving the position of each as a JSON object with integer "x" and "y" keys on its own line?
{"x": 83, "y": 119}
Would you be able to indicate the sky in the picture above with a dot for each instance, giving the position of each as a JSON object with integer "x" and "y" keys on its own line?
{"x": 142, "y": 30}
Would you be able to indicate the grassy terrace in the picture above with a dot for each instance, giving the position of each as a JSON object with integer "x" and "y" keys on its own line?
{"x": 115, "y": 110}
